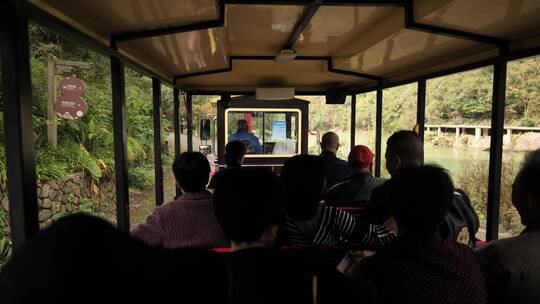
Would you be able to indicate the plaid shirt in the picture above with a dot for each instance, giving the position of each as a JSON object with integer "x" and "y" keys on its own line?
{"x": 428, "y": 271}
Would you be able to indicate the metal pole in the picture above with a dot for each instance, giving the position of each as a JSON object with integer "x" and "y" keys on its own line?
{"x": 177, "y": 143}
{"x": 421, "y": 108}
{"x": 18, "y": 126}
{"x": 52, "y": 128}
{"x": 496, "y": 150}
{"x": 156, "y": 113}
{"x": 353, "y": 120}
{"x": 378, "y": 131}
{"x": 120, "y": 143}
{"x": 189, "y": 107}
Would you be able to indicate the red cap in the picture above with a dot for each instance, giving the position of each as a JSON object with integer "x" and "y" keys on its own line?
{"x": 360, "y": 156}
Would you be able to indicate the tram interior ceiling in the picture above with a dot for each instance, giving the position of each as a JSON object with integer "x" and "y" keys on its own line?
{"x": 229, "y": 47}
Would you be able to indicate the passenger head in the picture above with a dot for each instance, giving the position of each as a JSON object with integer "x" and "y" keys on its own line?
{"x": 526, "y": 193}
{"x": 249, "y": 206}
{"x": 330, "y": 142}
{"x": 420, "y": 198}
{"x": 192, "y": 171}
{"x": 234, "y": 153}
{"x": 403, "y": 149}
{"x": 242, "y": 125}
{"x": 532, "y": 156}
{"x": 71, "y": 254}
{"x": 360, "y": 159}
{"x": 303, "y": 177}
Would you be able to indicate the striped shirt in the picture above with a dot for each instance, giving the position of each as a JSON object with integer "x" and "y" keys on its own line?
{"x": 336, "y": 227}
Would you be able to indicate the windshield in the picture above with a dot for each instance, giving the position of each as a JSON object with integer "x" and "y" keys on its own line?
{"x": 272, "y": 132}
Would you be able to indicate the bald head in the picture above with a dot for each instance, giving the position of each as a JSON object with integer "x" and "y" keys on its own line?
{"x": 404, "y": 149}
{"x": 533, "y": 156}
{"x": 330, "y": 142}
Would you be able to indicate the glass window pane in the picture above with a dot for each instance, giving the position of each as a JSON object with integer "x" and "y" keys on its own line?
{"x": 205, "y": 107}
{"x": 522, "y": 133}
{"x": 457, "y": 136}
{"x": 77, "y": 173}
{"x": 5, "y": 231}
{"x": 183, "y": 123}
{"x": 319, "y": 123}
{"x": 399, "y": 113}
{"x": 265, "y": 132}
{"x": 140, "y": 146}
{"x": 366, "y": 108}
{"x": 167, "y": 141}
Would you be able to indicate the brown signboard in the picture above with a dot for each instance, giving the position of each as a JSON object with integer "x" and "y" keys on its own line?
{"x": 69, "y": 103}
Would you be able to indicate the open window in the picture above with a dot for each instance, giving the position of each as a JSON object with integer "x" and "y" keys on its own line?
{"x": 266, "y": 132}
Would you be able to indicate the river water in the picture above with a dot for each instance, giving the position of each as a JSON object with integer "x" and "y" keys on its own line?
{"x": 458, "y": 160}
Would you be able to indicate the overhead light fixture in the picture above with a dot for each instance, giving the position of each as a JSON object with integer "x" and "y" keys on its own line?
{"x": 285, "y": 55}
{"x": 274, "y": 93}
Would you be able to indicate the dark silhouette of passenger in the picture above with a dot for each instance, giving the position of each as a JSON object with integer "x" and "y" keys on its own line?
{"x": 234, "y": 158}
{"x": 356, "y": 190}
{"x": 419, "y": 266}
{"x": 512, "y": 266}
{"x": 188, "y": 222}
{"x": 249, "y": 206}
{"x": 311, "y": 224}
{"x": 83, "y": 259}
{"x": 336, "y": 170}
{"x": 404, "y": 149}
{"x": 242, "y": 134}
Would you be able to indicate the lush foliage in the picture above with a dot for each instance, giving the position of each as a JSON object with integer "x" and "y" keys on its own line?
{"x": 474, "y": 181}
{"x": 87, "y": 144}
{"x": 5, "y": 240}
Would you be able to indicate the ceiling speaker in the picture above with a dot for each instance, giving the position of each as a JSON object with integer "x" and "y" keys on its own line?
{"x": 335, "y": 96}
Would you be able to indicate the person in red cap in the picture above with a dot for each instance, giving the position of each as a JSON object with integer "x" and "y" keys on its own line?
{"x": 356, "y": 190}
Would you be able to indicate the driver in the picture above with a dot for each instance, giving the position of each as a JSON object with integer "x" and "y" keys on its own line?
{"x": 242, "y": 134}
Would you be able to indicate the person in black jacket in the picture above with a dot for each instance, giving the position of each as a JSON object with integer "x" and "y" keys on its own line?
{"x": 356, "y": 190}
{"x": 419, "y": 266}
{"x": 336, "y": 170}
{"x": 249, "y": 204}
{"x": 235, "y": 151}
{"x": 404, "y": 149}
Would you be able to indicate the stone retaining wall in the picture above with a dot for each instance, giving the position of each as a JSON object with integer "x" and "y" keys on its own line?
{"x": 60, "y": 197}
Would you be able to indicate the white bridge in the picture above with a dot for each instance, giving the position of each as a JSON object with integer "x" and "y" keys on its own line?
{"x": 477, "y": 131}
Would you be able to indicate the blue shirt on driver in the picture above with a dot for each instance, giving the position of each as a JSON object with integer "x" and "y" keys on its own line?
{"x": 254, "y": 147}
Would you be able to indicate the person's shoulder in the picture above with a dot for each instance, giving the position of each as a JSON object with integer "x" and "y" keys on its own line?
{"x": 338, "y": 188}
{"x": 378, "y": 181}
{"x": 384, "y": 185}
{"x": 505, "y": 249}
{"x": 253, "y": 137}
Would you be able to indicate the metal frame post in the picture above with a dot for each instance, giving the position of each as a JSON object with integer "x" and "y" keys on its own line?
{"x": 496, "y": 150}
{"x": 120, "y": 143}
{"x": 156, "y": 114}
{"x": 189, "y": 110}
{"x": 378, "y": 131}
{"x": 353, "y": 120}
{"x": 177, "y": 139}
{"x": 421, "y": 108}
{"x": 18, "y": 125}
